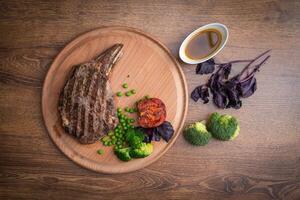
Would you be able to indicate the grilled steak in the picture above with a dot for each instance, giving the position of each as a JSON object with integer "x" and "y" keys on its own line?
{"x": 86, "y": 104}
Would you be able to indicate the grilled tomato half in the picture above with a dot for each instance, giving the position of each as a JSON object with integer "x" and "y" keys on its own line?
{"x": 151, "y": 112}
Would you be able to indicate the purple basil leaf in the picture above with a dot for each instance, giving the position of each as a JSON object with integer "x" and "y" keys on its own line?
{"x": 165, "y": 130}
{"x": 232, "y": 94}
{"x": 227, "y": 70}
{"x": 224, "y": 71}
{"x": 147, "y": 139}
{"x": 215, "y": 81}
{"x": 216, "y": 87}
{"x": 156, "y": 136}
{"x": 206, "y": 67}
{"x": 248, "y": 87}
{"x": 219, "y": 99}
{"x": 149, "y": 134}
{"x": 200, "y": 92}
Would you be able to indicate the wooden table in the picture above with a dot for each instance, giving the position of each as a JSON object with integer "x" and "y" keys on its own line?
{"x": 262, "y": 163}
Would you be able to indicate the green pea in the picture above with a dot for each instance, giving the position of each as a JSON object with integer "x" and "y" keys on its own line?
{"x": 133, "y": 91}
{"x": 132, "y": 120}
{"x": 119, "y": 146}
{"x": 110, "y": 133}
{"x": 119, "y": 143}
{"x": 130, "y": 126}
{"x": 119, "y": 126}
{"x": 131, "y": 110}
{"x": 126, "y": 109}
{"x": 109, "y": 143}
{"x": 116, "y": 147}
{"x": 125, "y": 85}
{"x": 100, "y": 151}
{"x": 119, "y": 94}
{"x": 119, "y": 110}
{"x": 147, "y": 97}
{"x": 105, "y": 138}
{"x": 128, "y": 94}
{"x": 105, "y": 143}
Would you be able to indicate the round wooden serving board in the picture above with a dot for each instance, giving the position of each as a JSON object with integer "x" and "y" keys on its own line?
{"x": 146, "y": 65}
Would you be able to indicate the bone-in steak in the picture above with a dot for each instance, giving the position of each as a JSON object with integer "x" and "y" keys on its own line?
{"x": 86, "y": 104}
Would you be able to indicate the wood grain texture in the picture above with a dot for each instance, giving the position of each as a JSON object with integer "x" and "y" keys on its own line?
{"x": 146, "y": 65}
{"x": 262, "y": 163}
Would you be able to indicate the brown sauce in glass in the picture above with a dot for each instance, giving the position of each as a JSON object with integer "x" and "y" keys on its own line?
{"x": 203, "y": 44}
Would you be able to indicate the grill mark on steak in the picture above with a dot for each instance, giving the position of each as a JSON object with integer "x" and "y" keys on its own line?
{"x": 88, "y": 83}
{"x": 80, "y": 122}
{"x": 77, "y": 103}
{"x": 97, "y": 104}
{"x": 65, "y": 106}
{"x": 107, "y": 117}
{"x": 105, "y": 113}
{"x": 72, "y": 105}
{"x": 93, "y": 95}
{"x": 86, "y": 96}
{"x": 98, "y": 109}
{"x": 86, "y": 103}
{"x": 101, "y": 105}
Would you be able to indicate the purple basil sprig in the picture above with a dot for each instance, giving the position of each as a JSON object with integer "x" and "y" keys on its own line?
{"x": 227, "y": 93}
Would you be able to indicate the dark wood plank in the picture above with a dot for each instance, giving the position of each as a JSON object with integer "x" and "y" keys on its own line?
{"x": 262, "y": 163}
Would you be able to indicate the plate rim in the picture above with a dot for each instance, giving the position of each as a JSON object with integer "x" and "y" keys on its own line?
{"x": 70, "y": 45}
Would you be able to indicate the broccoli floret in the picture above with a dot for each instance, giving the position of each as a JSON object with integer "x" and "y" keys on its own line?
{"x": 196, "y": 134}
{"x": 223, "y": 127}
{"x": 135, "y": 138}
{"x": 123, "y": 154}
{"x": 144, "y": 151}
